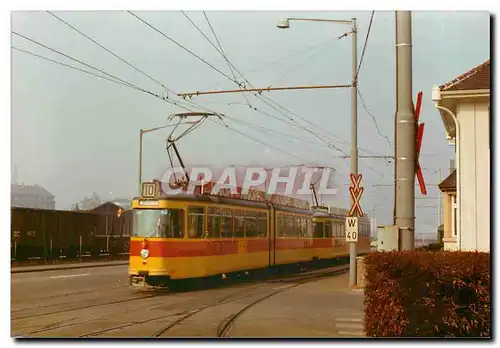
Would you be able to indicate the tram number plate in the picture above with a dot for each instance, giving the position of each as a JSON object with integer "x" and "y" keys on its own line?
{"x": 149, "y": 189}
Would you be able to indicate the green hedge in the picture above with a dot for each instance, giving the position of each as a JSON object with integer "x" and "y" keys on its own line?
{"x": 431, "y": 247}
{"x": 427, "y": 294}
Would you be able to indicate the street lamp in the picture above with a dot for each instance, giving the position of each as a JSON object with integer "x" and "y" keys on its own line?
{"x": 285, "y": 24}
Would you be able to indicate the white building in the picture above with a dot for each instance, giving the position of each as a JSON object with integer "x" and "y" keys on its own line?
{"x": 31, "y": 196}
{"x": 466, "y": 101}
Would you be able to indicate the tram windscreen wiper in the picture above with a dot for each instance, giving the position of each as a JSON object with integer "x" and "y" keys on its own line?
{"x": 153, "y": 232}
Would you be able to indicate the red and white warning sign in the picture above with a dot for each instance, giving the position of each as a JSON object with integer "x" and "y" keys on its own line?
{"x": 356, "y": 192}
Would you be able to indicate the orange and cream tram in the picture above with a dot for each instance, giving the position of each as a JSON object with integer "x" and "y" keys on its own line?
{"x": 185, "y": 236}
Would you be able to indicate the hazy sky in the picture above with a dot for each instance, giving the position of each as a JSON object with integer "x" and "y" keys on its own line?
{"x": 74, "y": 133}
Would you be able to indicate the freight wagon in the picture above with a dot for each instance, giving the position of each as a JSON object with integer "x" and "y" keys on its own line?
{"x": 51, "y": 234}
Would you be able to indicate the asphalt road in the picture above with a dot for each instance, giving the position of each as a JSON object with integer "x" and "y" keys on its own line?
{"x": 39, "y": 286}
{"x": 98, "y": 302}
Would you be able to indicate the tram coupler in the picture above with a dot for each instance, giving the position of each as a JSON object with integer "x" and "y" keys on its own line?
{"x": 138, "y": 281}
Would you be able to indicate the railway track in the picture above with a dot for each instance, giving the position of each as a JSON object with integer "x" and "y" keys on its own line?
{"x": 254, "y": 293}
{"x": 43, "y": 298}
{"x": 225, "y": 327}
{"x": 85, "y": 307}
{"x": 226, "y": 324}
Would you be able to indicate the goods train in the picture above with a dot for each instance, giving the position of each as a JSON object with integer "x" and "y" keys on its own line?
{"x": 186, "y": 236}
{"x": 51, "y": 234}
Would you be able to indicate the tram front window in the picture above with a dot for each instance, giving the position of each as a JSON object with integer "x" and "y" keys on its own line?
{"x": 156, "y": 223}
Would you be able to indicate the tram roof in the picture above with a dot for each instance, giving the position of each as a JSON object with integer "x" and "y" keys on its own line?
{"x": 196, "y": 197}
{"x": 203, "y": 198}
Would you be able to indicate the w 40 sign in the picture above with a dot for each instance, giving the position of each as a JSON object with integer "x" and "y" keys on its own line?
{"x": 351, "y": 229}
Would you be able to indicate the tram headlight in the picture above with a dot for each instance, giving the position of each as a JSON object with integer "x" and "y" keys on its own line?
{"x": 144, "y": 253}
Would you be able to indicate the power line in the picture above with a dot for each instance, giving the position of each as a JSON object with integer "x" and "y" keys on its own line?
{"x": 274, "y": 61}
{"x": 234, "y": 80}
{"x": 364, "y": 46}
{"x": 116, "y": 80}
{"x": 109, "y": 51}
{"x": 301, "y": 64}
{"x": 97, "y": 69}
{"x": 72, "y": 67}
{"x": 259, "y": 141}
{"x": 374, "y": 119}
{"x": 285, "y": 137}
{"x": 224, "y": 54}
{"x": 263, "y": 99}
{"x": 181, "y": 46}
{"x": 131, "y": 65}
{"x": 112, "y": 79}
{"x": 67, "y": 56}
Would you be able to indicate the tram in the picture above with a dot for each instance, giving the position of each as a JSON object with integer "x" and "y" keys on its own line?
{"x": 198, "y": 235}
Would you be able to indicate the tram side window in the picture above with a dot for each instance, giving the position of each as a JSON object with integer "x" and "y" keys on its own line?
{"x": 328, "y": 230}
{"x": 281, "y": 225}
{"x": 239, "y": 224}
{"x": 213, "y": 222}
{"x": 342, "y": 230}
{"x": 251, "y": 224}
{"x": 196, "y": 222}
{"x": 302, "y": 226}
{"x": 309, "y": 228}
{"x": 227, "y": 223}
{"x": 262, "y": 225}
{"x": 174, "y": 229}
{"x": 318, "y": 230}
{"x": 335, "y": 229}
{"x": 290, "y": 226}
{"x": 296, "y": 226}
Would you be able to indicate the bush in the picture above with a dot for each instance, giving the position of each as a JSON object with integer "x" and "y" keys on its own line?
{"x": 431, "y": 247}
{"x": 427, "y": 294}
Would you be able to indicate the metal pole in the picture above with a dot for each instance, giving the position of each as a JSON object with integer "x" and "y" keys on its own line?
{"x": 406, "y": 131}
{"x": 395, "y": 130}
{"x": 140, "y": 160}
{"x": 80, "y": 246}
{"x": 354, "y": 141}
{"x": 260, "y": 90}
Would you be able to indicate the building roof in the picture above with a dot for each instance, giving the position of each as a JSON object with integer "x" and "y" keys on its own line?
{"x": 29, "y": 190}
{"x": 123, "y": 203}
{"x": 108, "y": 207}
{"x": 450, "y": 183}
{"x": 477, "y": 78}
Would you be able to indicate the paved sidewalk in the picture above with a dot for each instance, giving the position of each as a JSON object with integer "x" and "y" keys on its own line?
{"x": 326, "y": 308}
{"x": 62, "y": 266}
